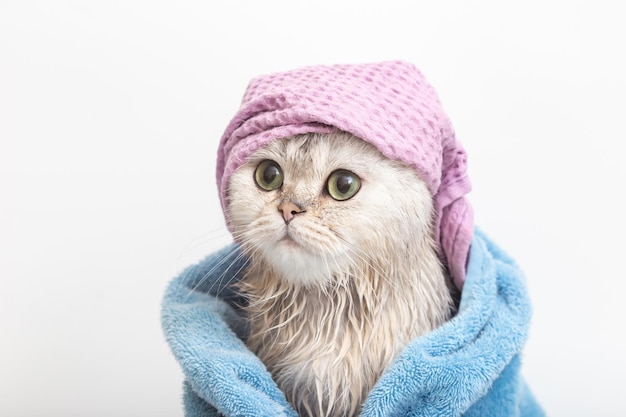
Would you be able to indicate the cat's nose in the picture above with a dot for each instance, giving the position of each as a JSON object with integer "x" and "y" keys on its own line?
{"x": 289, "y": 210}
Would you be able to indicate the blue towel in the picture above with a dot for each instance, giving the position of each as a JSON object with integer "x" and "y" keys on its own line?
{"x": 467, "y": 367}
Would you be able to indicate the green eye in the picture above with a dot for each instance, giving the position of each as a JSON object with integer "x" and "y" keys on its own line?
{"x": 343, "y": 185}
{"x": 268, "y": 175}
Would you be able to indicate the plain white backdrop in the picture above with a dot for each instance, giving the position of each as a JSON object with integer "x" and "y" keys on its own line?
{"x": 110, "y": 115}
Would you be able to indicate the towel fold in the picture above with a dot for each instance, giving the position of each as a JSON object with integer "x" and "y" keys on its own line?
{"x": 467, "y": 367}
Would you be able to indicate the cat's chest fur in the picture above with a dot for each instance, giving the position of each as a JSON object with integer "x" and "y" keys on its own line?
{"x": 335, "y": 288}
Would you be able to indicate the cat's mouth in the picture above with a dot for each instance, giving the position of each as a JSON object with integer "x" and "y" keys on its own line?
{"x": 289, "y": 241}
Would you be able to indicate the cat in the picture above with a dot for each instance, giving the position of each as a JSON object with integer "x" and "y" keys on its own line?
{"x": 344, "y": 270}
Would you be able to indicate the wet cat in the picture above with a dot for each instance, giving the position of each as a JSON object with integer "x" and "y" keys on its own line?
{"x": 344, "y": 268}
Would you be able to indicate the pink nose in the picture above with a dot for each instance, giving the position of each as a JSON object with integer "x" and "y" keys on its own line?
{"x": 289, "y": 210}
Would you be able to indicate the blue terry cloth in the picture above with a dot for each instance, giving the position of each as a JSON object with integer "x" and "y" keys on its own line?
{"x": 467, "y": 367}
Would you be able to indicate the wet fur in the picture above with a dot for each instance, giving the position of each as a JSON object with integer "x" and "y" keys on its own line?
{"x": 335, "y": 294}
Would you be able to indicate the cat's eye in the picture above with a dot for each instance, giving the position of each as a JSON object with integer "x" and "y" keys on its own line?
{"x": 343, "y": 185}
{"x": 268, "y": 175}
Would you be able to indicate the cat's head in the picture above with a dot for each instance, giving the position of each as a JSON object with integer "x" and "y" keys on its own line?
{"x": 313, "y": 205}
{"x": 389, "y": 105}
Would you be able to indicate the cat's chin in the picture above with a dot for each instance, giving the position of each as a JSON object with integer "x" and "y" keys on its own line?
{"x": 297, "y": 265}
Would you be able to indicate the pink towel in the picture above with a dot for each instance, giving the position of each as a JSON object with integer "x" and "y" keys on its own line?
{"x": 388, "y": 104}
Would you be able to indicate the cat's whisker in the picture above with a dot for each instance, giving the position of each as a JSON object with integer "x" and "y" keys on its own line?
{"x": 321, "y": 236}
{"x": 210, "y": 272}
{"x": 218, "y": 234}
{"x": 233, "y": 276}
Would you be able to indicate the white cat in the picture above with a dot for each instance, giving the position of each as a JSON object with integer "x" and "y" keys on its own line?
{"x": 344, "y": 269}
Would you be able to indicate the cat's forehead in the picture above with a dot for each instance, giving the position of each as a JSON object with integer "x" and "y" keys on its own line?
{"x": 319, "y": 151}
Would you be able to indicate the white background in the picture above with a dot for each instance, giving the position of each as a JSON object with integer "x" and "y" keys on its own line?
{"x": 110, "y": 115}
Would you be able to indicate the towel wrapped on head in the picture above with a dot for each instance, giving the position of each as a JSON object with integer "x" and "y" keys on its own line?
{"x": 469, "y": 366}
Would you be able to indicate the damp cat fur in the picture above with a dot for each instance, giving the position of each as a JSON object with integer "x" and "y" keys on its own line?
{"x": 336, "y": 288}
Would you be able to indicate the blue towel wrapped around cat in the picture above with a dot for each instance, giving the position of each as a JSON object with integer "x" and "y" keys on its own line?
{"x": 470, "y": 366}
{"x": 302, "y": 145}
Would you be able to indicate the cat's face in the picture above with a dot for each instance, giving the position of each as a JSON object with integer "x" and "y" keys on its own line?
{"x": 315, "y": 204}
